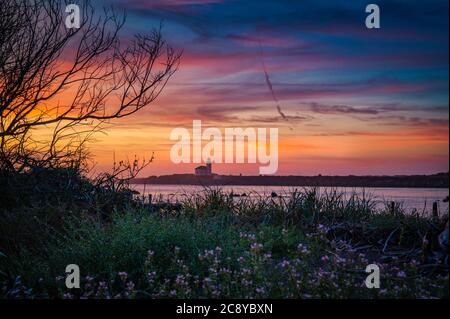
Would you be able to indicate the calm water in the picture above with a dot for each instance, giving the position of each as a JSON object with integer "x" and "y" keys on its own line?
{"x": 418, "y": 198}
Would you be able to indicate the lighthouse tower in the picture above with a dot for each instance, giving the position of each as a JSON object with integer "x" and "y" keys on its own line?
{"x": 208, "y": 167}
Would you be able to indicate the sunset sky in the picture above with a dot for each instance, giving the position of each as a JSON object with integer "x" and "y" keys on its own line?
{"x": 357, "y": 101}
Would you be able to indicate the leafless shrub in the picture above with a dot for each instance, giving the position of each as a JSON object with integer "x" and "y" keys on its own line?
{"x": 70, "y": 82}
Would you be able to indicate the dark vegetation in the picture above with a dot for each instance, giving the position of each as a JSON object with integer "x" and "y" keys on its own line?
{"x": 307, "y": 245}
{"x": 38, "y": 201}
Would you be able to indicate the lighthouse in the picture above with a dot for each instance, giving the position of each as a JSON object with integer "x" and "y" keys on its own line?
{"x": 208, "y": 167}
{"x": 204, "y": 170}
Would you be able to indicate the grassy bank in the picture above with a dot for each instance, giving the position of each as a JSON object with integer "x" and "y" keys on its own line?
{"x": 310, "y": 245}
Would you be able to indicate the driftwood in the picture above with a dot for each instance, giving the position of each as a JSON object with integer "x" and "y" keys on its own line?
{"x": 358, "y": 238}
{"x": 386, "y": 243}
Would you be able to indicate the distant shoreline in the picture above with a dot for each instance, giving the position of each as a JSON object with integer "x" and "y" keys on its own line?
{"x": 440, "y": 180}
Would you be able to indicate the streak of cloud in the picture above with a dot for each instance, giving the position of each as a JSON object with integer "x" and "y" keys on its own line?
{"x": 269, "y": 83}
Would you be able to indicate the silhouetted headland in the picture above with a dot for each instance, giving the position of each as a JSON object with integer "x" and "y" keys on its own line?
{"x": 440, "y": 180}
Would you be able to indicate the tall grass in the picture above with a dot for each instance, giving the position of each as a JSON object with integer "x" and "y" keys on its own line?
{"x": 307, "y": 244}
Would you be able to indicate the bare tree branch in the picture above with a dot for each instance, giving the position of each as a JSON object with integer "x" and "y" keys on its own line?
{"x": 70, "y": 79}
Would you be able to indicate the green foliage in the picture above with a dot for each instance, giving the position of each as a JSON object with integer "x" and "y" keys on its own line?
{"x": 305, "y": 245}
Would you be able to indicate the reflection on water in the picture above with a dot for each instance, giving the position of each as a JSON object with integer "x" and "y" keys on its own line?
{"x": 412, "y": 198}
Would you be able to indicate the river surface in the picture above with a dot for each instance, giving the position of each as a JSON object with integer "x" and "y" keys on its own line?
{"x": 411, "y": 198}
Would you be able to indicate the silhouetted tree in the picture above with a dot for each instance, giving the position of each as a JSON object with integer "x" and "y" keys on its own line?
{"x": 70, "y": 81}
